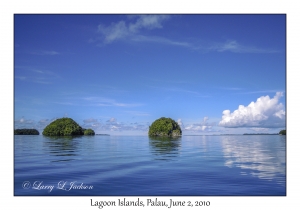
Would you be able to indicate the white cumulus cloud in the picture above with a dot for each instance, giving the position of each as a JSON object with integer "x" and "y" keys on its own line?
{"x": 266, "y": 112}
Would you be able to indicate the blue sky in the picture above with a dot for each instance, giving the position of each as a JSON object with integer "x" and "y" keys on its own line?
{"x": 116, "y": 74}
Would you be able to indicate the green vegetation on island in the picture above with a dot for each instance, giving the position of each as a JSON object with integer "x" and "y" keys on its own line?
{"x": 26, "y": 131}
{"x": 66, "y": 127}
{"x": 282, "y": 132}
{"x": 89, "y": 132}
{"x": 164, "y": 127}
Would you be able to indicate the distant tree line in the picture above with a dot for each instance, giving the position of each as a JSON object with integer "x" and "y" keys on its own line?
{"x": 260, "y": 134}
{"x": 282, "y": 132}
{"x": 26, "y": 131}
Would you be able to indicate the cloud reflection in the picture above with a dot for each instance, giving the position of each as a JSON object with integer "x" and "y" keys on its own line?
{"x": 260, "y": 156}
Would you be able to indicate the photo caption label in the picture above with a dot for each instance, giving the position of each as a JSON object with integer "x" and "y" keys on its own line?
{"x": 151, "y": 202}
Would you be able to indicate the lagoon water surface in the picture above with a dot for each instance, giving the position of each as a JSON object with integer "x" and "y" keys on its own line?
{"x": 139, "y": 165}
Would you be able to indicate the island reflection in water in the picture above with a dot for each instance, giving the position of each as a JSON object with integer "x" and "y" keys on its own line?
{"x": 64, "y": 147}
{"x": 259, "y": 156}
{"x": 165, "y": 148}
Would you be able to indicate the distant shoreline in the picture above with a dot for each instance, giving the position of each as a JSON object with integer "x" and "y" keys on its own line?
{"x": 235, "y": 134}
{"x": 260, "y": 134}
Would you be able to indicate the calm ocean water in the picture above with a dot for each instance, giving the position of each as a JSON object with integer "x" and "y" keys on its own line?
{"x": 138, "y": 165}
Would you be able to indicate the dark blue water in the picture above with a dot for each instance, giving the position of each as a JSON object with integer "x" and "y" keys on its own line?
{"x": 138, "y": 165}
